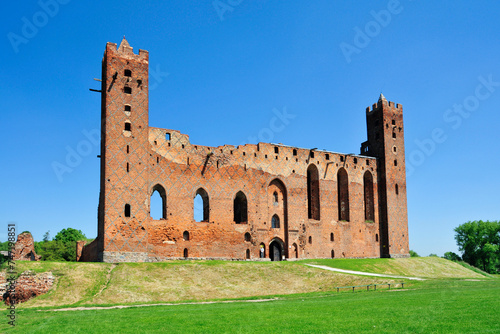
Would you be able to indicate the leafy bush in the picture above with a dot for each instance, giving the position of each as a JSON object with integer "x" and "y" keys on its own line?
{"x": 413, "y": 254}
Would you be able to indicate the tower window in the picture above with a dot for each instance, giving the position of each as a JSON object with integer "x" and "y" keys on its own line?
{"x": 394, "y": 149}
{"x": 128, "y": 108}
{"x": 128, "y": 149}
{"x": 127, "y": 210}
{"x": 185, "y": 236}
{"x": 294, "y": 152}
{"x": 395, "y": 163}
{"x": 248, "y": 237}
{"x": 275, "y": 222}
{"x": 327, "y": 156}
{"x": 331, "y": 237}
{"x": 393, "y": 122}
{"x": 355, "y": 160}
{"x": 393, "y": 134}
{"x": 128, "y": 168}
{"x": 311, "y": 154}
{"x": 341, "y": 159}
{"x": 127, "y": 73}
{"x": 396, "y": 188}
{"x": 275, "y": 197}
{"x": 310, "y": 239}
{"x": 167, "y": 136}
{"x": 127, "y": 90}
{"x": 128, "y": 126}
{"x": 276, "y": 150}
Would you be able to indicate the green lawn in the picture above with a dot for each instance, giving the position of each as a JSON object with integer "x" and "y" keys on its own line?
{"x": 442, "y": 306}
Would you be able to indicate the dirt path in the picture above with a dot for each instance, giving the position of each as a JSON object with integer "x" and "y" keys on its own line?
{"x": 82, "y": 308}
{"x": 363, "y": 273}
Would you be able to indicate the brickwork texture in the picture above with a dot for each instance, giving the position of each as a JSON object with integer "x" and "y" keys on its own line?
{"x": 293, "y": 202}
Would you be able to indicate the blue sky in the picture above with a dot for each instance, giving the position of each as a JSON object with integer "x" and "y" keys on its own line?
{"x": 220, "y": 72}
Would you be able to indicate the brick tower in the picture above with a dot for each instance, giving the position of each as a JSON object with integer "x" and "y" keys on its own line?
{"x": 386, "y": 142}
{"x": 123, "y": 199}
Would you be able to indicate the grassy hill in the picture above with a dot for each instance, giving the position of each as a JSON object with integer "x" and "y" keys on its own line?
{"x": 430, "y": 267}
{"x": 83, "y": 284}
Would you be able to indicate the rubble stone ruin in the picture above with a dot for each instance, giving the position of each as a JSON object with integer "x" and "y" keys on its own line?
{"x": 24, "y": 248}
{"x": 293, "y": 202}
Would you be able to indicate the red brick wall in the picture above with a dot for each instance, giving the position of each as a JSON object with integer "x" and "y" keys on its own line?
{"x": 162, "y": 157}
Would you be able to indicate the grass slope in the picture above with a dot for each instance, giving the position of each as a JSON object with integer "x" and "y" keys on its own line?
{"x": 430, "y": 267}
{"x": 452, "y": 306}
{"x": 83, "y": 284}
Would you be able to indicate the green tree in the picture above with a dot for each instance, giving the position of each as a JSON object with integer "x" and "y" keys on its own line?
{"x": 69, "y": 234}
{"x": 479, "y": 242}
{"x": 62, "y": 248}
{"x": 413, "y": 254}
{"x": 452, "y": 256}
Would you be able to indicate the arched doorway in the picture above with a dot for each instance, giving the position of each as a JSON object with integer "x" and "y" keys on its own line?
{"x": 276, "y": 250}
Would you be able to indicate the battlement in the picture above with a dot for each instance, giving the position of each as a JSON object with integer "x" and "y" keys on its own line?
{"x": 126, "y": 51}
{"x": 380, "y": 103}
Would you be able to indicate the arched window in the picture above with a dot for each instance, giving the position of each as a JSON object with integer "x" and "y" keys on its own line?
{"x": 313, "y": 192}
{"x": 185, "y": 235}
{"x": 201, "y": 206}
{"x": 185, "y": 252}
{"x": 240, "y": 208}
{"x": 333, "y": 254}
{"x": 127, "y": 210}
{"x": 343, "y": 194}
{"x": 275, "y": 222}
{"x": 331, "y": 237}
{"x": 248, "y": 237}
{"x": 368, "y": 196}
{"x": 247, "y": 255}
{"x": 158, "y": 203}
{"x": 275, "y": 197}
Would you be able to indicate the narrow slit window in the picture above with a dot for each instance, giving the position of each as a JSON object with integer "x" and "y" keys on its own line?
{"x": 396, "y": 188}
{"x": 128, "y": 167}
{"x": 127, "y": 210}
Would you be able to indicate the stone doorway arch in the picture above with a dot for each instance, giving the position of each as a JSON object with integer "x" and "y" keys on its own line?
{"x": 276, "y": 250}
